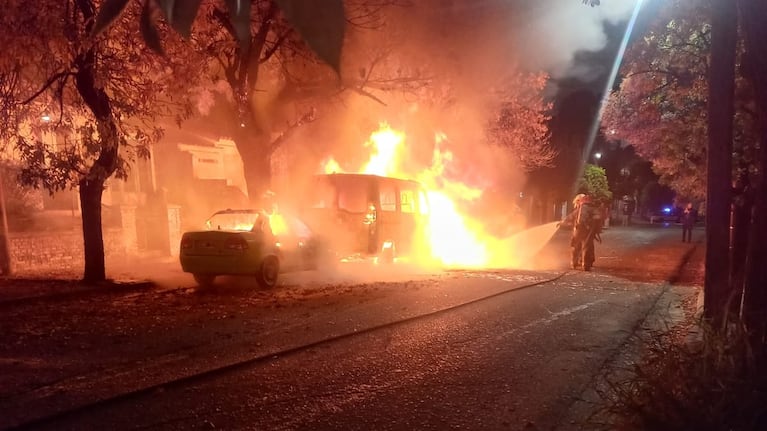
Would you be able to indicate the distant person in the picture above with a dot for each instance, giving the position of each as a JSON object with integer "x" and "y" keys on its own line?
{"x": 627, "y": 208}
{"x": 587, "y": 225}
{"x": 688, "y": 222}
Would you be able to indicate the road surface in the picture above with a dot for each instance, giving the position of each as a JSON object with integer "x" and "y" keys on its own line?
{"x": 511, "y": 349}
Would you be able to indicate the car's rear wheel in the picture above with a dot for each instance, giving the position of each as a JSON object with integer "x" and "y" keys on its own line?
{"x": 204, "y": 280}
{"x": 268, "y": 272}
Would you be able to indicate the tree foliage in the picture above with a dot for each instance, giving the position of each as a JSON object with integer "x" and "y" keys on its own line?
{"x": 661, "y": 106}
{"x": 277, "y": 84}
{"x": 594, "y": 183}
{"x": 321, "y": 24}
{"x": 45, "y": 49}
{"x": 520, "y": 120}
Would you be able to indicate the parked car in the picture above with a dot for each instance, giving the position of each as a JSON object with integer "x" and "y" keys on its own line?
{"x": 367, "y": 215}
{"x": 248, "y": 242}
{"x": 667, "y": 214}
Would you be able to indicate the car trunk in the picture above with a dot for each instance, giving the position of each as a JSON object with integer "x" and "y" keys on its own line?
{"x": 213, "y": 243}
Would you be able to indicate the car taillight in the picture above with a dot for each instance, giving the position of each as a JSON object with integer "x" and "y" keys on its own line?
{"x": 186, "y": 243}
{"x": 236, "y": 244}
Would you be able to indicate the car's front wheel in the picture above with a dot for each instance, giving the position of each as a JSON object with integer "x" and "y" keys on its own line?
{"x": 204, "y": 280}
{"x": 268, "y": 272}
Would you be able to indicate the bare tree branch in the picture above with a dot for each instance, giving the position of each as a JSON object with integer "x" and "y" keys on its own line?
{"x": 291, "y": 129}
{"x": 277, "y": 44}
{"x": 223, "y": 19}
{"x": 55, "y": 77}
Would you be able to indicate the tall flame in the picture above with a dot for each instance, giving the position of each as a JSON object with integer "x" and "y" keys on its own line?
{"x": 385, "y": 144}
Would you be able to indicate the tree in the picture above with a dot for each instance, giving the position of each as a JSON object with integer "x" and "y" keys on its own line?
{"x": 99, "y": 97}
{"x": 275, "y": 83}
{"x": 660, "y": 106}
{"x": 753, "y": 15}
{"x": 669, "y": 110}
{"x": 594, "y": 182}
{"x": 721, "y": 112}
{"x": 723, "y": 88}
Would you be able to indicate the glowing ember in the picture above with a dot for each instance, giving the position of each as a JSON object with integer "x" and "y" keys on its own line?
{"x": 454, "y": 239}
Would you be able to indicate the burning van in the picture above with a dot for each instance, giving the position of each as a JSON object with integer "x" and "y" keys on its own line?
{"x": 368, "y": 215}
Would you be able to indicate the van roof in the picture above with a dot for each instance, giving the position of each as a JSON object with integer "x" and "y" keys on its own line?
{"x": 369, "y": 176}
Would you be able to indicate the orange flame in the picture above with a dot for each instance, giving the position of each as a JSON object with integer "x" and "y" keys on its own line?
{"x": 386, "y": 145}
{"x": 278, "y": 224}
{"x": 454, "y": 239}
{"x": 331, "y": 166}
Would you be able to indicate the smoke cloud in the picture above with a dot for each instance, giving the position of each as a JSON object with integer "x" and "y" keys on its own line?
{"x": 549, "y": 33}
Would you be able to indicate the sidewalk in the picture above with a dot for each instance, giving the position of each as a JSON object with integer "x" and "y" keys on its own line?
{"x": 66, "y": 283}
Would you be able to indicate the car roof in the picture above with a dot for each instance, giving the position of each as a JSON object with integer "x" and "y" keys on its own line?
{"x": 239, "y": 211}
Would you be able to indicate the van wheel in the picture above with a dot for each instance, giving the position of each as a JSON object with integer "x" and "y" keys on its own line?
{"x": 268, "y": 272}
{"x": 204, "y": 280}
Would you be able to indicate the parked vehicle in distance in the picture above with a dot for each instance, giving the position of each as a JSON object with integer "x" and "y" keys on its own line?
{"x": 367, "y": 215}
{"x": 248, "y": 242}
{"x": 666, "y": 214}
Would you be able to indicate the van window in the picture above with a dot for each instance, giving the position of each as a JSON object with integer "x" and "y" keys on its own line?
{"x": 353, "y": 196}
{"x": 388, "y": 196}
{"x": 321, "y": 194}
{"x": 407, "y": 201}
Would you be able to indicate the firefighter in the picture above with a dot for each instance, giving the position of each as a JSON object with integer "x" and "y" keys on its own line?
{"x": 587, "y": 225}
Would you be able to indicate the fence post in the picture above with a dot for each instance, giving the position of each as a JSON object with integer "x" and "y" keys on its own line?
{"x": 174, "y": 229}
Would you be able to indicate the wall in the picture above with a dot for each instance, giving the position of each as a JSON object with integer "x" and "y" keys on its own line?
{"x": 60, "y": 252}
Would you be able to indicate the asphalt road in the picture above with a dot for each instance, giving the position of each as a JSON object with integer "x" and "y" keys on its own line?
{"x": 448, "y": 350}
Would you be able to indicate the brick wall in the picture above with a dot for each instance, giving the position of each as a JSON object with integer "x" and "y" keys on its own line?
{"x": 46, "y": 252}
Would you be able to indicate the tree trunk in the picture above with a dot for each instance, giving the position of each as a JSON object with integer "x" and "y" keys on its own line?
{"x": 256, "y": 163}
{"x": 721, "y": 110}
{"x": 93, "y": 241}
{"x": 92, "y": 184}
{"x": 753, "y": 18}
{"x": 741, "y": 228}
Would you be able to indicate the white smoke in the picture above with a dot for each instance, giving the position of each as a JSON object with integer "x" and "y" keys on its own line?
{"x": 548, "y": 33}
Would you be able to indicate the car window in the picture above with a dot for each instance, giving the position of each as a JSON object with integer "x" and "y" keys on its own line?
{"x": 286, "y": 225}
{"x": 279, "y": 225}
{"x": 299, "y": 228}
{"x": 240, "y": 221}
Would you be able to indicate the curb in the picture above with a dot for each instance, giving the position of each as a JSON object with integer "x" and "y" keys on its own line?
{"x": 82, "y": 290}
